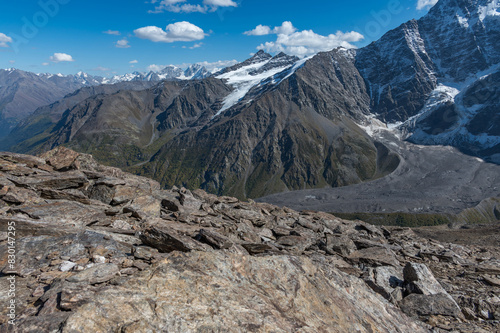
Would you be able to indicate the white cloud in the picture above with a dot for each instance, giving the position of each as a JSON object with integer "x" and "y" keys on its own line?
{"x": 45, "y": 64}
{"x": 112, "y": 32}
{"x": 303, "y": 43}
{"x": 182, "y": 6}
{"x": 260, "y": 30}
{"x": 155, "y": 68}
{"x": 61, "y": 57}
{"x": 176, "y": 32}
{"x": 195, "y": 46}
{"x": 12, "y": 61}
{"x": 133, "y": 62}
{"x": 122, "y": 44}
{"x": 422, "y": 4}
{"x": 101, "y": 69}
{"x": 4, "y": 39}
{"x": 286, "y": 28}
{"x": 220, "y": 3}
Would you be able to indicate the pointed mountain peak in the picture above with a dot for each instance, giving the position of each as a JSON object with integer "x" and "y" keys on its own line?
{"x": 259, "y": 57}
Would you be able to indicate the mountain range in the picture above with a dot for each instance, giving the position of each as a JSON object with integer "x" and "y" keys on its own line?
{"x": 21, "y": 92}
{"x": 278, "y": 123}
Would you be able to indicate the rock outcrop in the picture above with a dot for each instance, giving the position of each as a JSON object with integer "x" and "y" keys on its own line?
{"x": 100, "y": 250}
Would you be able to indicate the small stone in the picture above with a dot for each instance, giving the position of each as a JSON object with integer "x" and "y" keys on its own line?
{"x": 129, "y": 271}
{"x": 66, "y": 266}
{"x": 98, "y": 259}
{"x": 141, "y": 265}
{"x": 120, "y": 224}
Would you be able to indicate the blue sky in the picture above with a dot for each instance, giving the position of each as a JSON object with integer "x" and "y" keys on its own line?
{"x": 110, "y": 37}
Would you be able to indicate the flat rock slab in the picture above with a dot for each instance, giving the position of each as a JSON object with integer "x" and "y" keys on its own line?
{"x": 217, "y": 292}
{"x": 96, "y": 274}
{"x": 377, "y": 256}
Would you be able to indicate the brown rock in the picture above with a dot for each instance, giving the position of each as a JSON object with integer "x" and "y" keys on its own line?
{"x": 61, "y": 158}
{"x": 375, "y": 256}
{"x": 197, "y": 292}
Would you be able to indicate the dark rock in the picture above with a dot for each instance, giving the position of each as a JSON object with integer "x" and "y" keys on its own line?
{"x": 418, "y": 305}
{"x": 214, "y": 239}
{"x": 255, "y": 249}
{"x": 167, "y": 240}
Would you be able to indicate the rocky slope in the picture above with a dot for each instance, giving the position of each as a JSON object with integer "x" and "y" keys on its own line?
{"x": 100, "y": 250}
{"x": 42, "y": 121}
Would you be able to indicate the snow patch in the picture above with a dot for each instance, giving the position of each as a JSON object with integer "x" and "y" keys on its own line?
{"x": 243, "y": 80}
{"x": 489, "y": 10}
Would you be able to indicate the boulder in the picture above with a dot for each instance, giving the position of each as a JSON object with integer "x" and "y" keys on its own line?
{"x": 214, "y": 292}
{"x": 419, "y": 305}
{"x": 420, "y": 280}
{"x": 167, "y": 240}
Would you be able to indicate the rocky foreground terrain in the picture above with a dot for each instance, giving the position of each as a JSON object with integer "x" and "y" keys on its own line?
{"x": 100, "y": 250}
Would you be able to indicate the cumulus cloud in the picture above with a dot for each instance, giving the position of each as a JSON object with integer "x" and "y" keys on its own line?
{"x": 175, "y": 32}
{"x": 112, "y": 32}
{"x": 133, "y": 62}
{"x": 155, "y": 68}
{"x": 260, "y": 30}
{"x": 182, "y": 6}
{"x": 303, "y": 43}
{"x": 286, "y": 28}
{"x": 122, "y": 44}
{"x": 61, "y": 57}
{"x": 4, "y": 39}
{"x": 423, "y": 4}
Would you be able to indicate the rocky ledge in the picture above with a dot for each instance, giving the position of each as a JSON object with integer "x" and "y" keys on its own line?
{"x": 100, "y": 250}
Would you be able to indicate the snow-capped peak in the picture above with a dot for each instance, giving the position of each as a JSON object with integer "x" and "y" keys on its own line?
{"x": 250, "y": 73}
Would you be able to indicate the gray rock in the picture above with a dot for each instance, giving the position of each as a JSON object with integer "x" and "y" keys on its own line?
{"x": 418, "y": 305}
{"x": 167, "y": 240}
{"x": 98, "y": 273}
{"x": 420, "y": 280}
{"x": 376, "y": 256}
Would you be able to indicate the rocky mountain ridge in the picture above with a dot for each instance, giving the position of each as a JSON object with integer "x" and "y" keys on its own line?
{"x": 435, "y": 81}
{"x": 102, "y": 250}
{"x": 21, "y": 92}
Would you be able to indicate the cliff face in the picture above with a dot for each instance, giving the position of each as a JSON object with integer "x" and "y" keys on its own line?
{"x": 101, "y": 250}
